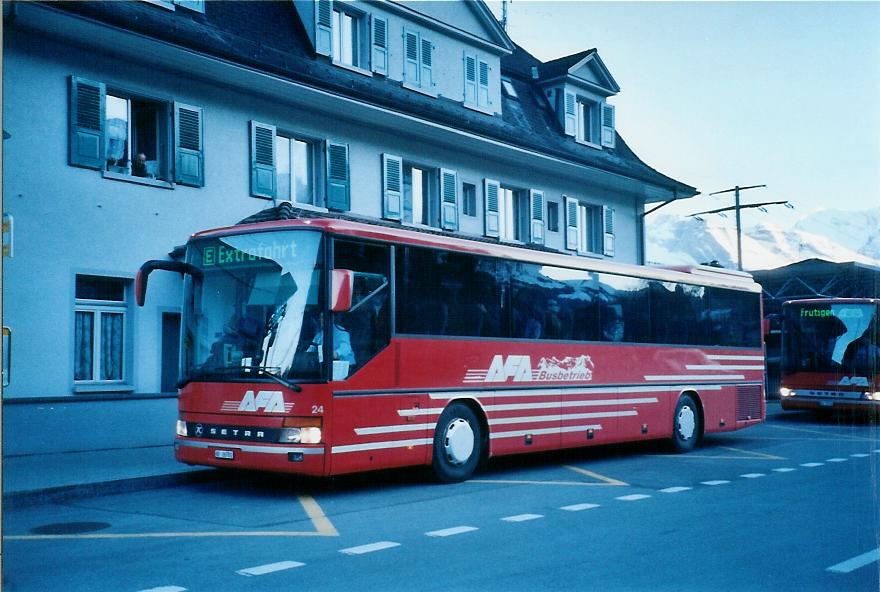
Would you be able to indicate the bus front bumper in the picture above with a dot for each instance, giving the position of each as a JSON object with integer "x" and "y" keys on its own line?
{"x": 303, "y": 460}
{"x": 802, "y": 402}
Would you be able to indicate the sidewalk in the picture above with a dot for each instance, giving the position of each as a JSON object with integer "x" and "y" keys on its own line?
{"x": 37, "y": 478}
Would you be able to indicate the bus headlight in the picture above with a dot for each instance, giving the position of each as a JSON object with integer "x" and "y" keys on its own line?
{"x": 786, "y": 392}
{"x": 875, "y": 396}
{"x": 301, "y": 430}
{"x": 181, "y": 428}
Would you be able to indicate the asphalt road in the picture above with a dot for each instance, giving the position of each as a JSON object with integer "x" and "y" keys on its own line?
{"x": 792, "y": 504}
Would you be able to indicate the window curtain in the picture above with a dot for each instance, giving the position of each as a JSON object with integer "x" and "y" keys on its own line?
{"x": 83, "y": 337}
{"x": 111, "y": 346}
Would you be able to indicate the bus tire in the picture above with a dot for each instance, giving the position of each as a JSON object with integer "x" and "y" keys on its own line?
{"x": 457, "y": 444}
{"x": 687, "y": 424}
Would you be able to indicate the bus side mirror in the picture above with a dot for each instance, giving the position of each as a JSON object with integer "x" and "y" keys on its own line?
{"x": 140, "y": 283}
{"x": 342, "y": 280}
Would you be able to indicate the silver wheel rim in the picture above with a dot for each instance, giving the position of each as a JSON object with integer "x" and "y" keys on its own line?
{"x": 687, "y": 422}
{"x": 458, "y": 442}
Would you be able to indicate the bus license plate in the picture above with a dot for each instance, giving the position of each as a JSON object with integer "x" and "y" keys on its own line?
{"x": 224, "y": 454}
{"x": 826, "y": 403}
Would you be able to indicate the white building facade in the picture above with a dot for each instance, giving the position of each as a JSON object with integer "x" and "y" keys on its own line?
{"x": 131, "y": 125}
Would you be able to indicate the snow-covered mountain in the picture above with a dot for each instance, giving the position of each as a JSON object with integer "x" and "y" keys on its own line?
{"x": 833, "y": 235}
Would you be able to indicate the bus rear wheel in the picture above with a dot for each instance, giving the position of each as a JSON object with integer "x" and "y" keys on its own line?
{"x": 457, "y": 444}
{"x": 687, "y": 425}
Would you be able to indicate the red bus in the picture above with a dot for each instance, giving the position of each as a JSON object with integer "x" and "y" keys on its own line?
{"x": 831, "y": 354}
{"x": 326, "y": 346}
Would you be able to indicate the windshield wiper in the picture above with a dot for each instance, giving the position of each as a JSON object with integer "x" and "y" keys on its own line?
{"x": 261, "y": 370}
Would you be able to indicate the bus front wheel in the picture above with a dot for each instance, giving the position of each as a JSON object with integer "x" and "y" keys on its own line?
{"x": 687, "y": 425}
{"x": 457, "y": 444}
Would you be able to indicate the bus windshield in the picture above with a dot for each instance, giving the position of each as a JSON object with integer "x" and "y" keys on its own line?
{"x": 833, "y": 337}
{"x": 254, "y": 310}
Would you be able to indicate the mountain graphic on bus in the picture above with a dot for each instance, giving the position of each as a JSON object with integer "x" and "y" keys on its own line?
{"x": 567, "y": 368}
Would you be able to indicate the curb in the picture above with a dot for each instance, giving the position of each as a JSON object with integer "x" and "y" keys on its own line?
{"x": 21, "y": 499}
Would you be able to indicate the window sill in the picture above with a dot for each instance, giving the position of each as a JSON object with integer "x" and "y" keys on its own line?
{"x": 478, "y": 108}
{"x": 590, "y": 144}
{"x": 112, "y": 387}
{"x": 355, "y": 69}
{"x": 138, "y": 180}
{"x": 419, "y": 89}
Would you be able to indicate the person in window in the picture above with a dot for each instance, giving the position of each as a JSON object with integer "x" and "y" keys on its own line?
{"x": 139, "y": 165}
{"x": 342, "y": 350}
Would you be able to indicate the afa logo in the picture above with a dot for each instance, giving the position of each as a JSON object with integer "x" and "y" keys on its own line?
{"x": 518, "y": 368}
{"x": 266, "y": 401}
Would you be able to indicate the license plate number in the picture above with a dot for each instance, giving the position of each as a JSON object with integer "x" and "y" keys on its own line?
{"x": 224, "y": 454}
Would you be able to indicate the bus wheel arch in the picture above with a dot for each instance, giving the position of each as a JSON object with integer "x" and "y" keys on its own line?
{"x": 688, "y": 422}
{"x": 460, "y": 441}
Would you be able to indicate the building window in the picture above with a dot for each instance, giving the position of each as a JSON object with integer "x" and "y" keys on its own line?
{"x": 137, "y": 137}
{"x": 469, "y": 199}
{"x": 514, "y": 215}
{"x": 588, "y": 121}
{"x": 418, "y": 61}
{"x": 420, "y": 203}
{"x": 349, "y": 37}
{"x": 296, "y": 169}
{"x": 552, "y": 216}
{"x": 100, "y": 330}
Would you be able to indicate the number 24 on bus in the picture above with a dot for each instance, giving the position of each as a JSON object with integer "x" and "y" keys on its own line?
{"x": 325, "y": 346}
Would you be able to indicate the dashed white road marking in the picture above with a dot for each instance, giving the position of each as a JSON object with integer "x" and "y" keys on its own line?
{"x": 753, "y": 475}
{"x": 859, "y": 455}
{"x": 579, "y": 507}
{"x": 522, "y": 517}
{"x": 856, "y": 562}
{"x": 633, "y": 498}
{"x": 269, "y": 568}
{"x": 716, "y": 482}
{"x": 784, "y": 470}
{"x": 166, "y": 589}
{"x": 836, "y": 460}
{"x": 372, "y": 547}
{"x": 675, "y": 489}
{"x": 812, "y": 464}
{"x": 451, "y": 531}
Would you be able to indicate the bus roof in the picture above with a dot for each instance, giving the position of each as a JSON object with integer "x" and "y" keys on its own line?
{"x": 832, "y": 301}
{"x": 694, "y": 274}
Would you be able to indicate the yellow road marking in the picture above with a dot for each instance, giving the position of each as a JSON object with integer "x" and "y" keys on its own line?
{"x": 322, "y": 524}
{"x": 607, "y": 480}
{"x": 323, "y": 527}
{"x": 751, "y": 453}
{"x": 523, "y": 482}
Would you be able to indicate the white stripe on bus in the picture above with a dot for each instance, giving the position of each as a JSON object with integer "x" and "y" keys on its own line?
{"x": 541, "y": 418}
{"x": 382, "y": 445}
{"x": 392, "y": 429}
{"x": 737, "y": 358}
{"x": 680, "y": 377}
{"x": 721, "y": 367}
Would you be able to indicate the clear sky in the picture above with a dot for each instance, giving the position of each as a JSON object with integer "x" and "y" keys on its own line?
{"x": 717, "y": 94}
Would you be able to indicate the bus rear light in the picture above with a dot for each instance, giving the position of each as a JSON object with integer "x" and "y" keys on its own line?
{"x": 181, "y": 428}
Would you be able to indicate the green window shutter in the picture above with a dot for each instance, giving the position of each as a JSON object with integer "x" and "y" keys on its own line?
{"x": 324, "y": 27}
{"x": 572, "y": 228}
{"x": 189, "y": 151}
{"x": 87, "y": 114}
{"x": 392, "y": 186}
{"x": 263, "y": 180}
{"x": 569, "y": 109}
{"x": 338, "y": 182}
{"x": 470, "y": 79}
{"x": 608, "y": 231}
{"x": 483, "y": 96}
{"x": 379, "y": 62}
{"x": 536, "y": 201}
{"x": 608, "y": 125}
{"x": 492, "y": 196}
{"x": 449, "y": 199}
{"x": 410, "y": 57}
{"x": 426, "y": 60}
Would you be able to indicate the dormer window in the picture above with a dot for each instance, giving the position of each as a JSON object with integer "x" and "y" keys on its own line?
{"x": 349, "y": 37}
{"x": 588, "y": 121}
